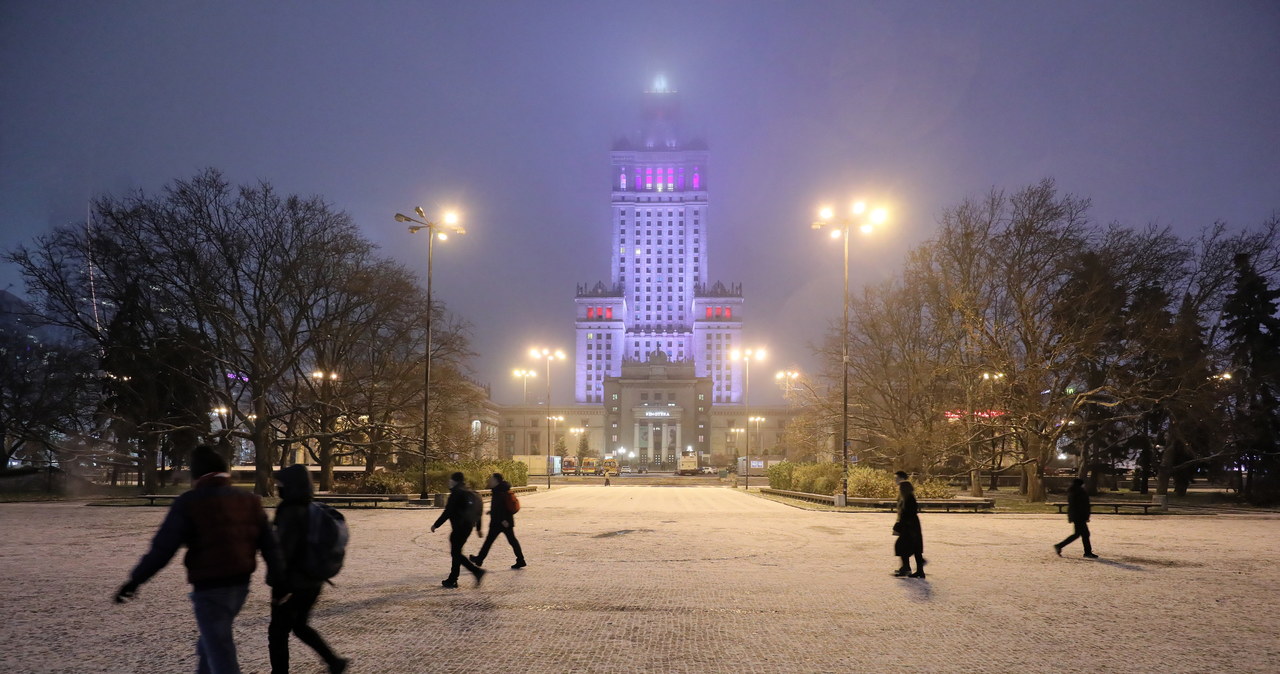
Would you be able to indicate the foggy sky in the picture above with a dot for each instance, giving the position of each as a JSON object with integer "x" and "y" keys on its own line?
{"x": 1160, "y": 112}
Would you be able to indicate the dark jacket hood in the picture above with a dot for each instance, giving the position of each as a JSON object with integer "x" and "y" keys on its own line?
{"x": 295, "y": 483}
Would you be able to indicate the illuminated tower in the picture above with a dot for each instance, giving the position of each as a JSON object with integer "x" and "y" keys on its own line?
{"x": 658, "y": 300}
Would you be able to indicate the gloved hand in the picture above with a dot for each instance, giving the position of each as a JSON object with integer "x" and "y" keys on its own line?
{"x": 126, "y": 592}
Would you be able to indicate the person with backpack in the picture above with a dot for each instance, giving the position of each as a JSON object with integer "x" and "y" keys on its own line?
{"x": 312, "y": 543}
{"x": 503, "y": 506}
{"x": 223, "y": 529}
{"x": 462, "y": 511}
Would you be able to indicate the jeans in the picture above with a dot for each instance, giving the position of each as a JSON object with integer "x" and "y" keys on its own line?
{"x": 1082, "y": 532}
{"x": 495, "y": 528}
{"x": 216, "y": 609}
{"x": 292, "y": 616}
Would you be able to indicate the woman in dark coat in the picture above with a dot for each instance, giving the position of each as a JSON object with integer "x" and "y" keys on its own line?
{"x": 291, "y": 609}
{"x": 910, "y": 540}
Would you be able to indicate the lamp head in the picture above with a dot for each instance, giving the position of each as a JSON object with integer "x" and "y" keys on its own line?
{"x": 418, "y": 210}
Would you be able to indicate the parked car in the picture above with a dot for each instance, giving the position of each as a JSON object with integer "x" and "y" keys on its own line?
{"x": 708, "y": 470}
{"x": 626, "y": 469}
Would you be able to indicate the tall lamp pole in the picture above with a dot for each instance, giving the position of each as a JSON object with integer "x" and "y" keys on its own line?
{"x": 550, "y": 355}
{"x": 746, "y": 356}
{"x": 434, "y": 231}
{"x": 525, "y": 375}
{"x": 840, "y": 230}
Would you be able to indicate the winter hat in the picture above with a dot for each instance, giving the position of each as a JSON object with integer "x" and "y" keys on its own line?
{"x": 205, "y": 460}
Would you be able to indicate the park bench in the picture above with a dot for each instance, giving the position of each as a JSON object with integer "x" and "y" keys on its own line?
{"x": 946, "y": 504}
{"x": 1114, "y": 505}
{"x": 335, "y": 499}
{"x": 800, "y": 495}
{"x": 152, "y": 498}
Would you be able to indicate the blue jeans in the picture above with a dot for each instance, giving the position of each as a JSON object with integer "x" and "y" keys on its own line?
{"x": 216, "y": 609}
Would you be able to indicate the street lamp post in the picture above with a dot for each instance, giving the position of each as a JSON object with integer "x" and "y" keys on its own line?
{"x": 840, "y": 229}
{"x": 525, "y": 375}
{"x": 434, "y": 231}
{"x": 746, "y": 356}
{"x": 552, "y": 420}
{"x": 756, "y": 421}
{"x": 550, "y": 355}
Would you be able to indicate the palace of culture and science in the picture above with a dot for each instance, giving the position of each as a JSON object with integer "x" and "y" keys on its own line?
{"x": 653, "y": 374}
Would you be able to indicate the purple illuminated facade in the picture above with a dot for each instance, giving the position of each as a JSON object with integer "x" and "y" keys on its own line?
{"x": 658, "y": 306}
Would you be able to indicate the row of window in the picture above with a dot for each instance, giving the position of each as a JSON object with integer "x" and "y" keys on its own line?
{"x": 649, "y": 213}
{"x": 663, "y": 178}
{"x": 602, "y": 312}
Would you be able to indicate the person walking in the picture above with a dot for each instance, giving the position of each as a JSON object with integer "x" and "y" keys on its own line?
{"x": 223, "y": 528}
{"x": 910, "y": 540}
{"x": 462, "y": 511}
{"x": 1078, "y": 512}
{"x": 502, "y": 520}
{"x": 291, "y": 609}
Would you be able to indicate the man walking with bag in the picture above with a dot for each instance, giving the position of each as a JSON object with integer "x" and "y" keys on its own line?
{"x": 462, "y": 511}
{"x": 502, "y": 520}
{"x": 291, "y": 610}
{"x": 223, "y": 529}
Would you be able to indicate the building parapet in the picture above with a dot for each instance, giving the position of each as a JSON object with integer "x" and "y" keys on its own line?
{"x": 599, "y": 290}
{"x": 718, "y": 289}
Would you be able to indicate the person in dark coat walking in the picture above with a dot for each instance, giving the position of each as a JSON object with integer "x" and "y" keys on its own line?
{"x": 459, "y": 512}
{"x": 1078, "y": 512}
{"x": 223, "y": 529}
{"x": 501, "y": 521}
{"x": 910, "y": 540}
{"x": 290, "y": 610}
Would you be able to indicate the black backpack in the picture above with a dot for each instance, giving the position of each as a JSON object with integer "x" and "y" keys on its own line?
{"x": 474, "y": 509}
{"x": 327, "y": 538}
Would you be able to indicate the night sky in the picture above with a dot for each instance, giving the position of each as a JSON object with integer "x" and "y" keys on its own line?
{"x": 1162, "y": 112}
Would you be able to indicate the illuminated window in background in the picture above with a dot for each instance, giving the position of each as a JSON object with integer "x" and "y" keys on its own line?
{"x": 648, "y": 178}
{"x": 671, "y": 181}
{"x": 708, "y": 316}
{"x": 728, "y": 312}
{"x": 608, "y": 313}
{"x": 697, "y": 182}
{"x": 591, "y": 312}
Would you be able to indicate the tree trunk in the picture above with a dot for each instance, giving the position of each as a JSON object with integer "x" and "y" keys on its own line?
{"x": 326, "y": 461}
{"x": 975, "y": 482}
{"x": 1032, "y": 474}
{"x": 262, "y": 482}
{"x": 148, "y": 450}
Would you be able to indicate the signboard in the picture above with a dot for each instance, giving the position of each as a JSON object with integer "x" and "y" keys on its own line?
{"x": 757, "y": 464}
{"x": 657, "y": 413}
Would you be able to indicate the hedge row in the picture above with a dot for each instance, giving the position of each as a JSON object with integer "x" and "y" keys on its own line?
{"x": 824, "y": 478}
{"x": 410, "y": 481}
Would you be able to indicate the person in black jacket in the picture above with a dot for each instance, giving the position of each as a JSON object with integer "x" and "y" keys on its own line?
{"x": 461, "y": 515}
{"x": 223, "y": 529}
{"x": 1078, "y": 512}
{"x": 501, "y": 521}
{"x": 910, "y": 540}
{"x": 291, "y": 609}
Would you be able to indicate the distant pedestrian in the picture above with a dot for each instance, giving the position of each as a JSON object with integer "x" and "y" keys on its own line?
{"x": 502, "y": 520}
{"x": 1078, "y": 512}
{"x": 910, "y": 540}
{"x": 223, "y": 529}
{"x": 462, "y": 511}
{"x": 291, "y": 608}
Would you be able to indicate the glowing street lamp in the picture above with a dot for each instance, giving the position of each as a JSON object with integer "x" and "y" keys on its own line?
{"x": 746, "y": 356}
{"x": 525, "y": 375}
{"x": 757, "y": 421}
{"x": 550, "y": 355}
{"x": 866, "y": 221}
{"x": 552, "y": 420}
{"x": 441, "y": 231}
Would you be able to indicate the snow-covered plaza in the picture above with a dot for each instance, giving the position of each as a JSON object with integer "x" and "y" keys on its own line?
{"x": 696, "y": 579}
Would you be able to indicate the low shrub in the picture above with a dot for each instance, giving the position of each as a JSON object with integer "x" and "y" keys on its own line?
{"x": 780, "y": 475}
{"x": 864, "y": 482}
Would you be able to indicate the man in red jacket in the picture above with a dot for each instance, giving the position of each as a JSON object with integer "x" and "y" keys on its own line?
{"x": 222, "y": 528}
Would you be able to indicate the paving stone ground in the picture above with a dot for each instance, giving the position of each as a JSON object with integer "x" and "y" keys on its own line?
{"x": 684, "y": 580}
